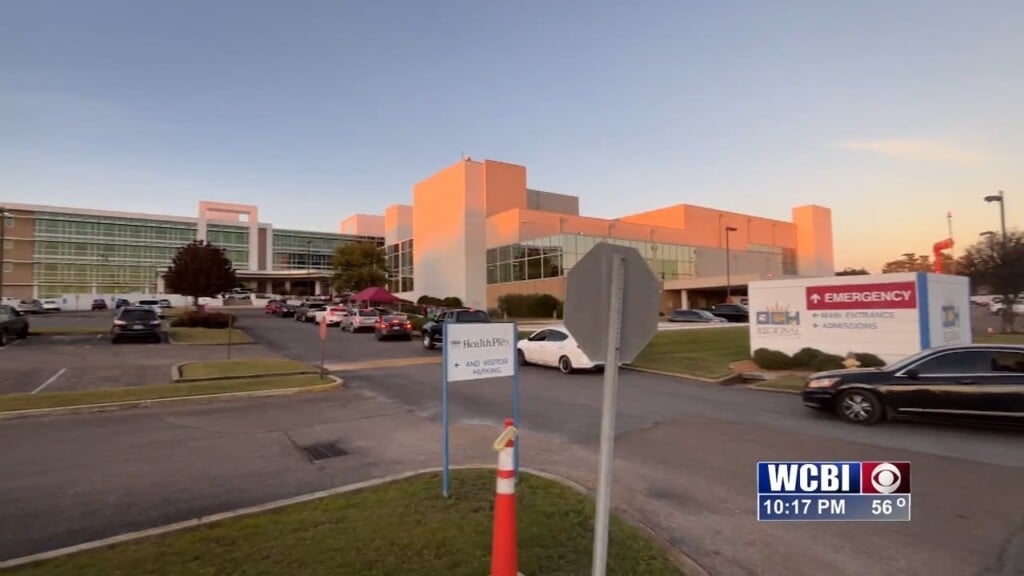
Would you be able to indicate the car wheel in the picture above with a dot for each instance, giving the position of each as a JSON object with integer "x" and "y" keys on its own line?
{"x": 115, "y": 341}
{"x": 23, "y": 334}
{"x": 3, "y": 338}
{"x": 378, "y": 336}
{"x": 860, "y": 407}
{"x": 565, "y": 365}
{"x": 521, "y": 358}
{"x": 428, "y": 342}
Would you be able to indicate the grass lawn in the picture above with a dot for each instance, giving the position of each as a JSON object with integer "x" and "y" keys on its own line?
{"x": 252, "y": 367}
{"x": 10, "y": 402}
{"x": 999, "y": 339}
{"x": 68, "y": 330}
{"x": 793, "y": 382}
{"x": 706, "y": 353}
{"x": 404, "y": 528}
{"x": 208, "y": 336}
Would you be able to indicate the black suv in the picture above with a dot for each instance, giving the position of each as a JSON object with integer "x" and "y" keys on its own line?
{"x": 732, "y": 312}
{"x": 136, "y": 323}
{"x": 433, "y": 331}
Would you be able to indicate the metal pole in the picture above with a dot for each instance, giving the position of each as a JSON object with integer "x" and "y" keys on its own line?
{"x": 515, "y": 403}
{"x": 323, "y": 355}
{"x": 952, "y": 250}
{"x": 728, "y": 270}
{"x": 3, "y": 242}
{"x": 608, "y": 409}
{"x": 1002, "y": 216}
{"x": 444, "y": 419}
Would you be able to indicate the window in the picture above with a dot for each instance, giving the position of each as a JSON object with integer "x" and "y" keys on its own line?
{"x": 963, "y": 362}
{"x": 137, "y": 315}
{"x": 540, "y": 336}
{"x": 557, "y": 336}
{"x": 8, "y": 244}
{"x": 8, "y": 266}
{"x": 1007, "y": 362}
{"x": 473, "y": 316}
{"x": 366, "y": 313}
{"x": 9, "y": 222}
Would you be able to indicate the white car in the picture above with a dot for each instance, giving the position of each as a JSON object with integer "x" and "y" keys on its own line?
{"x": 51, "y": 305}
{"x": 998, "y": 307}
{"x": 334, "y": 314}
{"x": 554, "y": 347}
{"x": 358, "y": 320}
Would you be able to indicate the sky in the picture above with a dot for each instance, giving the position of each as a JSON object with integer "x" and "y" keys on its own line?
{"x": 890, "y": 113}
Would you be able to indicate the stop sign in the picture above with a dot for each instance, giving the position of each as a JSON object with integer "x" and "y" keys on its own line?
{"x": 588, "y": 299}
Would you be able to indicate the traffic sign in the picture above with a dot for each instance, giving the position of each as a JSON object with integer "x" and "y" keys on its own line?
{"x": 878, "y": 296}
{"x": 588, "y": 296}
{"x": 476, "y": 351}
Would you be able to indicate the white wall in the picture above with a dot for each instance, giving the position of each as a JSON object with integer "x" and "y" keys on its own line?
{"x": 786, "y": 315}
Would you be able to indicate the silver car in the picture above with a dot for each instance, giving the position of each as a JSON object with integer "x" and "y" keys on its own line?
{"x": 360, "y": 320}
{"x": 30, "y": 307}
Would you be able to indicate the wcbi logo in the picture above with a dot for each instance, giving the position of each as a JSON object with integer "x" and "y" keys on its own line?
{"x": 833, "y": 477}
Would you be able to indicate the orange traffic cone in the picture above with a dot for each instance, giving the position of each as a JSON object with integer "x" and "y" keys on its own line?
{"x": 503, "y": 544}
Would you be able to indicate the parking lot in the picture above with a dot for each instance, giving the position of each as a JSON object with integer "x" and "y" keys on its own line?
{"x": 56, "y": 363}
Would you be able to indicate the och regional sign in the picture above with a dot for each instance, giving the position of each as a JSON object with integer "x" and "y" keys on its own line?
{"x": 475, "y": 351}
{"x": 887, "y": 296}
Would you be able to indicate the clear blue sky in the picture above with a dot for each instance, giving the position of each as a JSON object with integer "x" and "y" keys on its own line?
{"x": 889, "y": 113}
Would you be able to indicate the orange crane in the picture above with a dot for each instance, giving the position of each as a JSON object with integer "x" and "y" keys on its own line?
{"x": 937, "y": 249}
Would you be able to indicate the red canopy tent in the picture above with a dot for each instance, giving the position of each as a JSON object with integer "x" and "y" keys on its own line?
{"x": 374, "y": 295}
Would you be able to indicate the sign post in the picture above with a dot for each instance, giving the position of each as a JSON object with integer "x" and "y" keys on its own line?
{"x": 477, "y": 352}
{"x": 323, "y": 344}
{"x": 611, "y": 309}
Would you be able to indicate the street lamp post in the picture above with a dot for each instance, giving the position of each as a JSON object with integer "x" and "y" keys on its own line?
{"x": 3, "y": 241}
{"x": 728, "y": 265}
{"x": 1002, "y": 212}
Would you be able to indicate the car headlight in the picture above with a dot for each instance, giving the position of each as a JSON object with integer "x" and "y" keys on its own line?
{"x": 822, "y": 382}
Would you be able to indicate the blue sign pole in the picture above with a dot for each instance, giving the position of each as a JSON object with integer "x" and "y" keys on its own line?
{"x": 444, "y": 415}
{"x": 515, "y": 400}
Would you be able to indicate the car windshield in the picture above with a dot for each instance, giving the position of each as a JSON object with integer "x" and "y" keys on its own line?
{"x": 138, "y": 315}
{"x": 317, "y": 306}
{"x": 903, "y": 363}
{"x": 149, "y": 302}
{"x": 368, "y": 313}
{"x": 705, "y": 314}
{"x": 393, "y": 318}
{"x": 472, "y": 316}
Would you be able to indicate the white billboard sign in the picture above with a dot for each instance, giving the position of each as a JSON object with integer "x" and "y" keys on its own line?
{"x": 889, "y": 315}
{"x": 476, "y": 351}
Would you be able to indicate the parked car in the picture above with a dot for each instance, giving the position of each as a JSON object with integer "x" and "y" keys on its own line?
{"x": 432, "y": 332}
{"x": 335, "y": 314}
{"x": 974, "y": 381}
{"x": 997, "y": 308}
{"x": 307, "y": 312}
{"x": 165, "y": 303}
{"x": 31, "y": 307}
{"x": 154, "y": 304}
{"x": 272, "y": 307}
{"x": 13, "y": 324}
{"x": 99, "y": 304}
{"x": 51, "y": 305}
{"x": 554, "y": 347}
{"x": 287, "y": 310}
{"x": 731, "y": 312}
{"x": 393, "y": 326}
{"x": 359, "y": 320}
{"x": 122, "y": 302}
{"x": 136, "y": 323}
{"x": 701, "y": 316}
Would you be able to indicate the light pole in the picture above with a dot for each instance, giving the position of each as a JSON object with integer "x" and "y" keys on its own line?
{"x": 3, "y": 241}
{"x": 728, "y": 265}
{"x": 1002, "y": 212}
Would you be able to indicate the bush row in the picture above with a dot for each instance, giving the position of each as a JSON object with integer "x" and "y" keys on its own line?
{"x": 447, "y": 301}
{"x": 810, "y": 358}
{"x": 529, "y": 306}
{"x": 196, "y": 319}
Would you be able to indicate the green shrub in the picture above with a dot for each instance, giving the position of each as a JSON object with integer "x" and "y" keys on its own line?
{"x": 827, "y": 362}
{"x": 451, "y": 302}
{"x": 429, "y": 301}
{"x": 417, "y": 321}
{"x": 772, "y": 359}
{"x": 196, "y": 319}
{"x": 806, "y": 356}
{"x": 868, "y": 360}
{"x": 494, "y": 313}
{"x": 530, "y": 305}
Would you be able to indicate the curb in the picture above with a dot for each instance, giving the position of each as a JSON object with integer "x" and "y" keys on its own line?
{"x": 109, "y": 406}
{"x": 763, "y": 388}
{"x": 176, "y": 376}
{"x": 683, "y": 561}
{"x": 171, "y": 340}
{"x": 723, "y": 380}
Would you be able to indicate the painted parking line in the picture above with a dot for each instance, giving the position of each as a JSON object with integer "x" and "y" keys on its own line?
{"x": 50, "y": 380}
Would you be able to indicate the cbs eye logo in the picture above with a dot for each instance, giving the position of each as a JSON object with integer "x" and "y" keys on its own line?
{"x": 885, "y": 477}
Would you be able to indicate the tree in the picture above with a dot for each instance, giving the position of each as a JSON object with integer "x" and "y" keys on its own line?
{"x": 358, "y": 266}
{"x": 852, "y": 272}
{"x": 911, "y": 262}
{"x": 200, "y": 270}
{"x": 998, "y": 265}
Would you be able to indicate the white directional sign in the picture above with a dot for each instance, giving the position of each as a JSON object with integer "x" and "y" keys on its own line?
{"x": 476, "y": 351}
